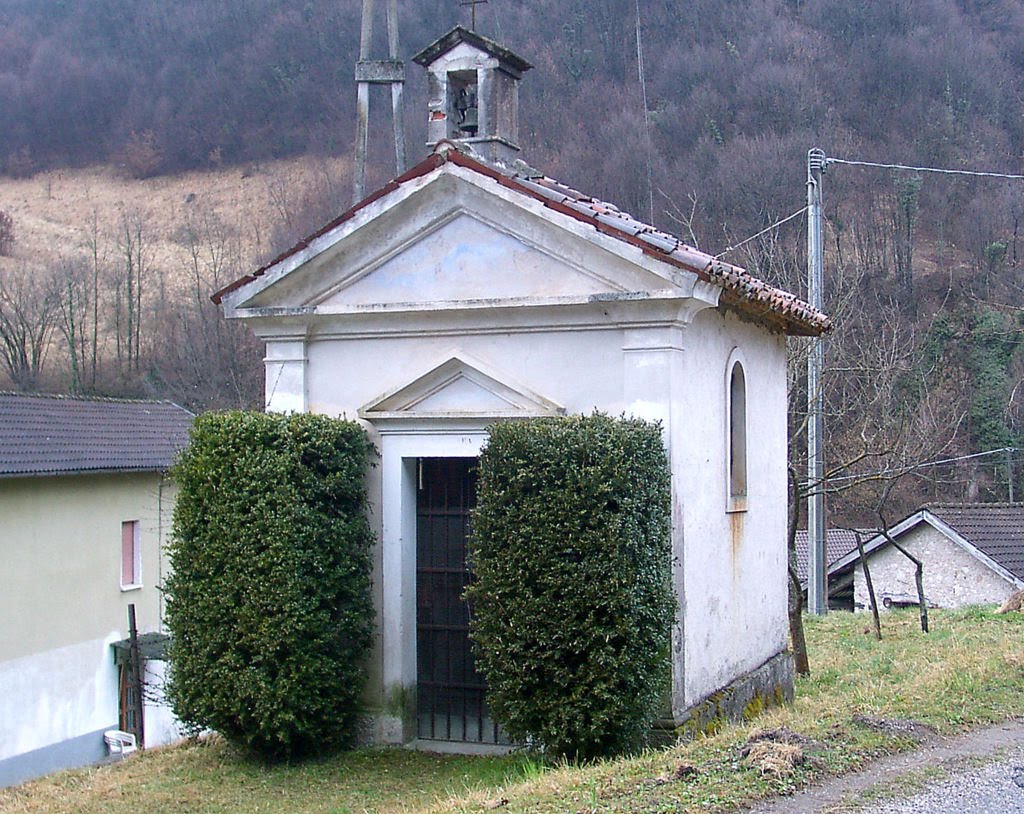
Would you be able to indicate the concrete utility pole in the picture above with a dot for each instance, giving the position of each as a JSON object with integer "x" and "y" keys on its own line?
{"x": 817, "y": 593}
{"x": 389, "y": 71}
{"x": 472, "y": 4}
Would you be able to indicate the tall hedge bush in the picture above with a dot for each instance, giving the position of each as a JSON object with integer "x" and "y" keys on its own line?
{"x": 572, "y": 606}
{"x": 268, "y": 601}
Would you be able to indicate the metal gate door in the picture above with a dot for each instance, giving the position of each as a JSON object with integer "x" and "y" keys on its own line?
{"x": 450, "y": 693}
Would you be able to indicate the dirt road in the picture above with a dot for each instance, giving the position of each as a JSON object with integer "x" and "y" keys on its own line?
{"x": 979, "y": 775}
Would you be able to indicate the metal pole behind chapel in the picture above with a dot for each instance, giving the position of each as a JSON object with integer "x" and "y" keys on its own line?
{"x": 817, "y": 585}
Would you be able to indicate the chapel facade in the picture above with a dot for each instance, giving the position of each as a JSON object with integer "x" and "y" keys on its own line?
{"x": 473, "y": 289}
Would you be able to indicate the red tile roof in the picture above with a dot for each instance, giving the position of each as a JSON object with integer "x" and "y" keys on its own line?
{"x": 741, "y": 291}
{"x": 61, "y": 435}
{"x": 838, "y": 543}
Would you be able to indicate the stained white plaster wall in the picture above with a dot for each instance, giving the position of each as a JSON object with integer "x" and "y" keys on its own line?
{"x": 583, "y": 320}
{"x": 582, "y": 371}
{"x": 579, "y": 370}
{"x": 162, "y": 726}
{"x": 734, "y": 564}
{"x": 952, "y": 577}
{"x": 61, "y": 600}
{"x": 729, "y": 568}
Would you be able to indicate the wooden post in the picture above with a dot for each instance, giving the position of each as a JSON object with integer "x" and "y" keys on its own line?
{"x": 135, "y": 670}
{"x": 867, "y": 580}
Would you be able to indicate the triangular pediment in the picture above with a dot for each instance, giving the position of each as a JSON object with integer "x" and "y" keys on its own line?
{"x": 451, "y": 240}
{"x": 465, "y": 258}
{"x": 460, "y": 388}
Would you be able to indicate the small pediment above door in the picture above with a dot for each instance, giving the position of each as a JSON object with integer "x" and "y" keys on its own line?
{"x": 460, "y": 389}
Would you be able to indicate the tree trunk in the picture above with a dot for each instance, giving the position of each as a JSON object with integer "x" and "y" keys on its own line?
{"x": 870, "y": 586}
{"x": 796, "y": 598}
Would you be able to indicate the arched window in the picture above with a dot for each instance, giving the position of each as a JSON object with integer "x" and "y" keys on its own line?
{"x": 737, "y": 438}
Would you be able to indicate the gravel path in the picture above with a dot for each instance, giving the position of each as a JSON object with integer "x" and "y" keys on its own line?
{"x": 996, "y": 788}
{"x": 989, "y": 789}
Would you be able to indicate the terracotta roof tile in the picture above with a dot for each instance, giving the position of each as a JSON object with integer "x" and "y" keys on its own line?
{"x": 741, "y": 290}
{"x": 54, "y": 435}
{"x": 838, "y": 543}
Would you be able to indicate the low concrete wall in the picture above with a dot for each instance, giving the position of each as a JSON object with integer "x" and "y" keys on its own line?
{"x": 80, "y": 751}
{"x": 769, "y": 685}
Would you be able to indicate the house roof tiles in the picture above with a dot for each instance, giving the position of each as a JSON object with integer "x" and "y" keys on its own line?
{"x": 838, "y": 543}
{"x": 741, "y": 291}
{"x": 995, "y": 529}
{"x": 60, "y": 435}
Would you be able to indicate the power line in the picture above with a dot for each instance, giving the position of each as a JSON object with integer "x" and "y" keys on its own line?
{"x": 939, "y": 170}
{"x": 924, "y": 465}
{"x": 647, "y": 118}
{"x": 775, "y": 225}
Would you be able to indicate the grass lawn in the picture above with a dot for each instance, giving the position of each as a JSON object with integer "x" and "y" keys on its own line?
{"x": 968, "y": 671}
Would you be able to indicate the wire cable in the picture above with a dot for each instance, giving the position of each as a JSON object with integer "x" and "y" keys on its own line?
{"x": 939, "y": 170}
{"x": 923, "y": 465}
{"x": 641, "y": 75}
{"x": 775, "y": 225}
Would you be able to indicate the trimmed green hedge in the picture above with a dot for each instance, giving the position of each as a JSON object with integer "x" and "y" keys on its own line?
{"x": 268, "y": 601}
{"x": 572, "y": 606}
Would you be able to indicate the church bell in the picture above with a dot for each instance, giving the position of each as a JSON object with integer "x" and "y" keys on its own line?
{"x": 469, "y": 114}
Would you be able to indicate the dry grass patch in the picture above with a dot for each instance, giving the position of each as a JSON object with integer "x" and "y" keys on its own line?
{"x": 57, "y": 213}
{"x": 967, "y": 672}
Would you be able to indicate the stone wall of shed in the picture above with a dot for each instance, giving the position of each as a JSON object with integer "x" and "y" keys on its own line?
{"x": 953, "y": 577}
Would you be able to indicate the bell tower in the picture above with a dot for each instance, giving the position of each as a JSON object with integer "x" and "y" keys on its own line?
{"x": 474, "y": 93}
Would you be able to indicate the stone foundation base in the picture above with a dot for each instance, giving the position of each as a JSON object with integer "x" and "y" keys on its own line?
{"x": 769, "y": 685}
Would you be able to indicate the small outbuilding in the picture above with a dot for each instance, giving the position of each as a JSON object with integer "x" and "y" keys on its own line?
{"x": 474, "y": 289}
{"x": 85, "y": 509}
{"x": 972, "y": 554}
{"x": 838, "y": 543}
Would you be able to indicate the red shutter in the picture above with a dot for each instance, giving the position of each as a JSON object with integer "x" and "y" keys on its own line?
{"x": 128, "y": 553}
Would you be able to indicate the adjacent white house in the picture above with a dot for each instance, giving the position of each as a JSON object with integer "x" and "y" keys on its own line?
{"x": 85, "y": 508}
{"x": 972, "y": 553}
{"x": 474, "y": 289}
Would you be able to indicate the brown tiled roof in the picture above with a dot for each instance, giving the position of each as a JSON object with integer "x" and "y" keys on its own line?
{"x": 995, "y": 529}
{"x": 55, "y": 435}
{"x": 838, "y": 543}
{"x": 741, "y": 291}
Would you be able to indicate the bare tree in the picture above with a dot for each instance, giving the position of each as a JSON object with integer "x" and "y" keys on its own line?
{"x": 133, "y": 246}
{"x": 863, "y": 561}
{"x": 208, "y": 362}
{"x": 28, "y": 317}
{"x": 97, "y": 253}
{"x": 73, "y": 293}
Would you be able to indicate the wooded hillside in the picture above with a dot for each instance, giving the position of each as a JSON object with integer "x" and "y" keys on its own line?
{"x": 924, "y": 271}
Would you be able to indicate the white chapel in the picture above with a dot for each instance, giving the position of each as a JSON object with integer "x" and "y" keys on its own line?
{"x": 473, "y": 289}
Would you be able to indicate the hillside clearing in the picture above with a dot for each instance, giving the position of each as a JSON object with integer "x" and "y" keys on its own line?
{"x": 856, "y": 706}
{"x": 56, "y": 212}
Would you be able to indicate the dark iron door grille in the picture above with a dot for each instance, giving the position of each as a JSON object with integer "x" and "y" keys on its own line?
{"x": 450, "y": 698}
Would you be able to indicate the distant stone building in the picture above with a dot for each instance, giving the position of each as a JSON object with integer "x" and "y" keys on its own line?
{"x": 474, "y": 289}
{"x": 85, "y": 509}
{"x": 973, "y": 554}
